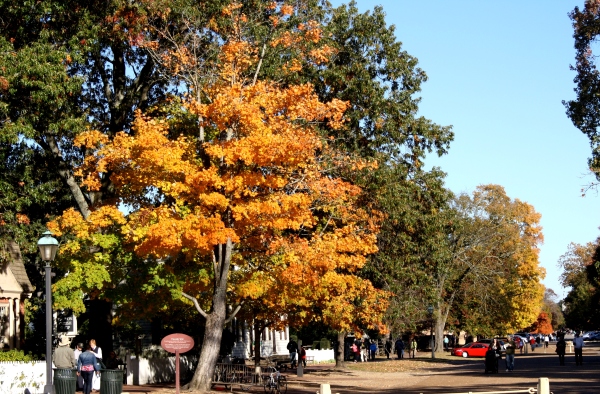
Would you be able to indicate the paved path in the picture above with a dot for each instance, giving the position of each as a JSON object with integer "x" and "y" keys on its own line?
{"x": 468, "y": 376}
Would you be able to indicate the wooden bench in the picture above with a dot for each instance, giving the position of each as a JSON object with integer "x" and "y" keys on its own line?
{"x": 310, "y": 359}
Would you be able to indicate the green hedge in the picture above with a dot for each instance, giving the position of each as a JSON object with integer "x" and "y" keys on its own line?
{"x": 17, "y": 355}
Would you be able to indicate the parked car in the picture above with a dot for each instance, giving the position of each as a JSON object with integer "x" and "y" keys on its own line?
{"x": 471, "y": 349}
{"x": 595, "y": 336}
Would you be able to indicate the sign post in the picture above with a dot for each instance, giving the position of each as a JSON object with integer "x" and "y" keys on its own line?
{"x": 177, "y": 343}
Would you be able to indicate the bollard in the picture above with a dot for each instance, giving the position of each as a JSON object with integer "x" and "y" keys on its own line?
{"x": 325, "y": 388}
{"x": 543, "y": 386}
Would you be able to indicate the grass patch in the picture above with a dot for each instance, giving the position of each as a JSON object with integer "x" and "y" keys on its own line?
{"x": 395, "y": 365}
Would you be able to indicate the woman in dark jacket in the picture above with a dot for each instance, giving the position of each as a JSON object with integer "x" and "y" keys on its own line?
{"x": 86, "y": 365}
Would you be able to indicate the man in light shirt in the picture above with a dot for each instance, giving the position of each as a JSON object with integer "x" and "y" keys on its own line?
{"x": 578, "y": 345}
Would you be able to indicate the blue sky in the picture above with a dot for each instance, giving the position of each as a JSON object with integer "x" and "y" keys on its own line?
{"x": 498, "y": 71}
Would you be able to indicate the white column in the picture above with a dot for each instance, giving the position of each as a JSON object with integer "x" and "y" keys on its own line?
{"x": 11, "y": 324}
{"x": 17, "y": 323}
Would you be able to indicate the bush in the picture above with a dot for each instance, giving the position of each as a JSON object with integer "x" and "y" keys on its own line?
{"x": 325, "y": 343}
{"x": 17, "y": 355}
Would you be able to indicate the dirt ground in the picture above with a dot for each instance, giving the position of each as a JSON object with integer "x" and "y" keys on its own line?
{"x": 443, "y": 375}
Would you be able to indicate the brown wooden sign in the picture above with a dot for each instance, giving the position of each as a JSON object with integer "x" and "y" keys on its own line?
{"x": 177, "y": 343}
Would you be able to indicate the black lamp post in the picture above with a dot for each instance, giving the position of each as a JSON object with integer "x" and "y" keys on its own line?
{"x": 430, "y": 313}
{"x": 48, "y": 247}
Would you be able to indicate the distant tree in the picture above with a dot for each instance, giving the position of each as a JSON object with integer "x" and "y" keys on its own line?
{"x": 492, "y": 283}
{"x": 553, "y": 309}
{"x": 581, "y": 306}
{"x": 542, "y": 325}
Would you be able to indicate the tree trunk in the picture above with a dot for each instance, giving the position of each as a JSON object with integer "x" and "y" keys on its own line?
{"x": 439, "y": 325}
{"x": 257, "y": 334}
{"x": 339, "y": 351}
{"x": 215, "y": 321}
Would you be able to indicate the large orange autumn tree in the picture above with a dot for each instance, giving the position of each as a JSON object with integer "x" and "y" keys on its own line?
{"x": 248, "y": 206}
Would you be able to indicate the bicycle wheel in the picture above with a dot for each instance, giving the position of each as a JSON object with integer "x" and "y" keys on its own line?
{"x": 270, "y": 386}
{"x": 282, "y": 385}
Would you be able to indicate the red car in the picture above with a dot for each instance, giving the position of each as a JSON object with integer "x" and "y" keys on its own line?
{"x": 473, "y": 349}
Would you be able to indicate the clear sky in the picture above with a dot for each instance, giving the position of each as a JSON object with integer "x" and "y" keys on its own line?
{"x": 498, "y": 71}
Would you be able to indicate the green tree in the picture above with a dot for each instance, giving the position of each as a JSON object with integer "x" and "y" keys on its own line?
{"x": 584, "y": 111}
{"x": 579, "y": 267}
{"x": 494, "y": 265}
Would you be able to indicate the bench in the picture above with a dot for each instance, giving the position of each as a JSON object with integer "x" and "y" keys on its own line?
{"x": 310, "y": 359}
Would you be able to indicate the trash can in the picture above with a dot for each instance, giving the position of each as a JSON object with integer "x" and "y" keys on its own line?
{"x": 111, "y": 381}
{"x": 65, "y": 380}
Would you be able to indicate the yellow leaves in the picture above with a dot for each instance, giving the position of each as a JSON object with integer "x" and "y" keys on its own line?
{"x": 90, "y": 139}
{"x": 287, "y": 10}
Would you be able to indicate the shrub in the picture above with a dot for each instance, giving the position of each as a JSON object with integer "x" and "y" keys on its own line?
{"x": 17, "y": 355}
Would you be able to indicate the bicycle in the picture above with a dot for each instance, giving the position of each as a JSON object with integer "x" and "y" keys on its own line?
{"x": 276, "y": 383}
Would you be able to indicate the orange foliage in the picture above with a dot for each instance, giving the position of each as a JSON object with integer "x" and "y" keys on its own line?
{"x": 298, "y": 233}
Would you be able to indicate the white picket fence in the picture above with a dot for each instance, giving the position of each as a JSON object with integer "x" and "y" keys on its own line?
{"x": 30, "y": 377}
{"x": 20, "y": 377}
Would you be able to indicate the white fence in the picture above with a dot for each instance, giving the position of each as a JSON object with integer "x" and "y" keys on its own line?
{"x": 20, "y": 377}
{"x": 30, "y": 377}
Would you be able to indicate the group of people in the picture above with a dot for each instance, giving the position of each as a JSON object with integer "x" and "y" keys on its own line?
{"x": 366, "y": 349}
{"x": 88, "y": 362}
{"x": 292, "y": 347}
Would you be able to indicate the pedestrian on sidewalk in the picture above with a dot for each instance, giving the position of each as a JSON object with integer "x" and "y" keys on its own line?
{"x": 373, "y": 349}
{"x": 413, "y": 347}
{"x": 561, "y": 347}
{"x": 400, "y": 348}
{"x": 388, "y": 348}
{"x": 510, "y": 354}
{"x": 578, "y": 345}
{"x": 63, "y": 355}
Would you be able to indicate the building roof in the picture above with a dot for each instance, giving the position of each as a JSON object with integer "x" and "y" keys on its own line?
{"x": 16, "y": 266}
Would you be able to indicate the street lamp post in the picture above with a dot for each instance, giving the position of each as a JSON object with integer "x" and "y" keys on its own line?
{"x": 430, "y": 313}
{"x": 48, "y": 247}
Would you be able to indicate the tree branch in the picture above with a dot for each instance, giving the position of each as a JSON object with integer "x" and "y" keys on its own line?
{"x": 196, "y": 304}
{"x": 235, "y": 311}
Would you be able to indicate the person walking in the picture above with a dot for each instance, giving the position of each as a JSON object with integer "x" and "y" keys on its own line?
{"x": 578, "y": 345}
{"x": 510, "y": 354}
{"x": 303, "y": 356}
{"x": 78, "y": 350}
{"x": 292, "y": 347}
{"x": 446, "y": 341}
{"x": 413, "y": 347}
{"x": 63, "y": 355}
{"x": 356, "y": 351}
{"x": 373, "y": 348}
{"x": 546, "y": 342}
{"x": 98, "y": 352}
{"x": 87, "y": 367}
{"x": 388, "y": 348}
{"x": 561, "y": 347}
{"x": 364, "y": 350}
{"x": 400, "y": 348}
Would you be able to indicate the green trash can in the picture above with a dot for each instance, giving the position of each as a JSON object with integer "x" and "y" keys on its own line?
{"x": 65, "y": 380}
{"x": 111, "y": 381}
